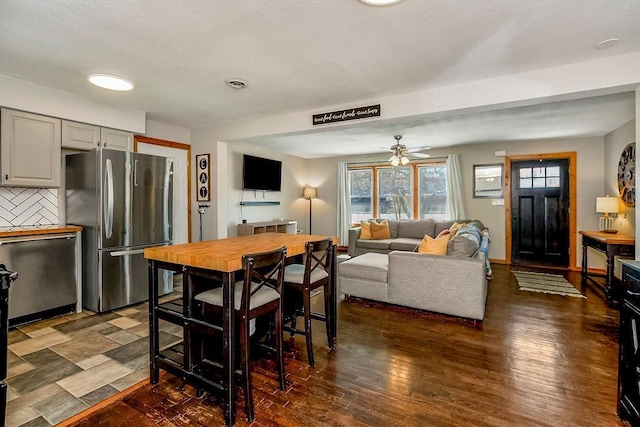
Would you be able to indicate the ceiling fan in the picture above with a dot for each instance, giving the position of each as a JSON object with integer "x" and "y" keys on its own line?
{"x": 400, "y": 152}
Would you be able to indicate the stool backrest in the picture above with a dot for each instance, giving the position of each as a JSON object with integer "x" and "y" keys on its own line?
{"x": 262, "y": 269}
{"x": 318, "y": 254}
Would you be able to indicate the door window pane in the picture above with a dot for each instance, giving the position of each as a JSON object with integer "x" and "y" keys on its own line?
{"x": 395, "y": 199}
{"x": 432, "y": 191}
{"x": 361, "y": 192}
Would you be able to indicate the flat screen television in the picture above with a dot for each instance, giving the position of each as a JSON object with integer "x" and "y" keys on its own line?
{"x": 261, "y": 174}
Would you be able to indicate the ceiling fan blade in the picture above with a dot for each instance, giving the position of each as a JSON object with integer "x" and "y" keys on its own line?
{"x": 416, "y": 149}
{"x": 420, "y": 155}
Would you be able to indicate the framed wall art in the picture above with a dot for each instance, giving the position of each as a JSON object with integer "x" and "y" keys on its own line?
{"x": 203, "y": 170}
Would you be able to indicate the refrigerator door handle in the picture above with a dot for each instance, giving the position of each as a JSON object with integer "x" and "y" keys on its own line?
{"x": 108, "y": 205}
{"x": 123, "y": 253}
{"x": 135, "y": 172}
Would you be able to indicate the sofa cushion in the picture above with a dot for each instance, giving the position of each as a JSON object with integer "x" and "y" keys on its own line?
{"x": 369, "y": 266}
{"x": 380, "y": 231}
{"x": 374, "y": 244}
{"x": 465, "y": 243}
{"x": 404, "y": 244}
{"x": 433, "y": 246}
{"x": 393, "y": 226}
{"x": 417, "y": 229}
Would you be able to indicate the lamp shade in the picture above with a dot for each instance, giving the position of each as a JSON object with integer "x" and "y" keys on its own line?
{"x": 607, "y": 204}
{"x": 310, "y": 192}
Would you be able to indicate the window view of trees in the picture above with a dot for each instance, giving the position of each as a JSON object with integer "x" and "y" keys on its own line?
{"x": 395, "y": 193}
{"x": 433, "y": 191}
{"x": 361, "y": 189}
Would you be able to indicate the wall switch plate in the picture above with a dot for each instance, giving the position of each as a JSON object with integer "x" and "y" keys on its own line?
{"x": 501, "y": 153}
{"x": 497, "y": 202}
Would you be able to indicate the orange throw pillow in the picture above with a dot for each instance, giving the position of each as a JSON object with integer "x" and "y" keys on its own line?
{"x": 431, "y": 246}
{"x": 365, "y": 230}
{"x": 380, "y": 231}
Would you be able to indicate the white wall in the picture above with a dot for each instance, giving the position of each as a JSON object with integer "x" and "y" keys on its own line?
{"x": 224, "y": 214}
{"x": 160, "y": 130}
{"x": 614, "y": 143}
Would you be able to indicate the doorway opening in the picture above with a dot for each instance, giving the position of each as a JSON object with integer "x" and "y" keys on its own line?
{"x": 540, "y": 214}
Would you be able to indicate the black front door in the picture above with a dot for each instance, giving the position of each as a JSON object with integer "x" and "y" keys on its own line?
{"x": 540, "y": 212}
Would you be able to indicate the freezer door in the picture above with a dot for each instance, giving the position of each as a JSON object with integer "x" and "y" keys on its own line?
{"x": 152, "y": 202}
{"x": 115, "y": 199}
{"x": 124, "y": 279}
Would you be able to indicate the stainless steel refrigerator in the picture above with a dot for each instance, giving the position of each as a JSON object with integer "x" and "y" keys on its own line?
{"x": 123, "y": 201}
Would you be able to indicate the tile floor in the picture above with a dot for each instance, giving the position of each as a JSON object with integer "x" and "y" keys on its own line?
{"x": 59, "y": 367}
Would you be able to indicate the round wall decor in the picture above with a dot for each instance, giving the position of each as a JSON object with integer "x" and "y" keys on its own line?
{"x": 627, "y": 175}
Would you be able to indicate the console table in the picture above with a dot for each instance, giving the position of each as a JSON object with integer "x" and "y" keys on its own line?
{"x": 610, "y": 245}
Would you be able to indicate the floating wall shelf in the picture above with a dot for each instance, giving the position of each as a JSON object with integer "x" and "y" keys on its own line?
{"x": 259, "y": 203}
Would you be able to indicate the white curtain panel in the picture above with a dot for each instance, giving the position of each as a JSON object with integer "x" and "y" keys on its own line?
{"x": 455, "y": 196}
{"x": 344, "y": 208}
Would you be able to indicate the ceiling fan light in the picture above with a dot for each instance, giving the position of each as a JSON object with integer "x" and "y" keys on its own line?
{"x": 395, "y": 161}
{"x": 404, "y": 160}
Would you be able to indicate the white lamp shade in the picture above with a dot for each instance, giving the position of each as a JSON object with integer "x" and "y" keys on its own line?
{"x": 607, "y": 204}
{"x": 310, "y": 192}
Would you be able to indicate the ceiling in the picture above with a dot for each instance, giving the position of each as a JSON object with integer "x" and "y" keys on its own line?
{"x": 311, "y": 55}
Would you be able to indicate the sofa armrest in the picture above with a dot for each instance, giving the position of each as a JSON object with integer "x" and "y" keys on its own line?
{"x": 354, "y": 235}
{"x": 444, "y": 284}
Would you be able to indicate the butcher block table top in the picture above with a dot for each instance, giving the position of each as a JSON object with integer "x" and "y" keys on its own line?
{"x": 226, "y": 254}
{"x": 34, "y": 230}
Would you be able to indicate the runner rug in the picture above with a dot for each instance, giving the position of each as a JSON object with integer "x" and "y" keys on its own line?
{"x": 546, "y": 283}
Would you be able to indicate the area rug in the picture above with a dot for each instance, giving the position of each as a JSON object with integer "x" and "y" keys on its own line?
{"x": 546, "y": 283}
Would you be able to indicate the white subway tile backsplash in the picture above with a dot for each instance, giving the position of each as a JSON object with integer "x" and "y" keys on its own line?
{"x": 28, "y": 206}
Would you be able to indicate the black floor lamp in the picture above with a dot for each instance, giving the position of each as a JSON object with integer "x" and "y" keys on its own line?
{"x": 310, "y": 193}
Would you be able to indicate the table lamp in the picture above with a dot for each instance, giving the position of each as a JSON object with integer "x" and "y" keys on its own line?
{"x": 607, "y": 205}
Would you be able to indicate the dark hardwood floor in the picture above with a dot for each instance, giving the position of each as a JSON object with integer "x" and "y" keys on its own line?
{"x": 536, "y": 360}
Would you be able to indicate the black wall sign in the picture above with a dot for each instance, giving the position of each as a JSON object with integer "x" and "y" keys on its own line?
{"x": 348, "y": 114}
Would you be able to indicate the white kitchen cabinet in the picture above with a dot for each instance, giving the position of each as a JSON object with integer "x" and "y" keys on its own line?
{"x": 30, "y": 149}
{"x": 80, "y": 136}
{"x": 114, "y": 139}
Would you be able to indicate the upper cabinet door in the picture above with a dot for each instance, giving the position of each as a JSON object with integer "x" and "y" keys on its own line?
{"x": 113, "y": 139}
{"x": 30, "y": 148}
{"x": 80, "y": 136}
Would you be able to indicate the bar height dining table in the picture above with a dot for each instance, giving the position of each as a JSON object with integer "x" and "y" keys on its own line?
{"x": 216, "y": 261}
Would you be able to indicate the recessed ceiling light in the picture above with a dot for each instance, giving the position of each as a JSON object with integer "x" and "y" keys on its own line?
{"x": 108, "y": 81}
{"x": 380, "y": 2}
{"x": 236, "y": 83}
{"x": 606, "y": 44}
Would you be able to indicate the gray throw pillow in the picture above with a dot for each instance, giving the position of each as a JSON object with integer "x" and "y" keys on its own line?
{"x": 465, "y": 243}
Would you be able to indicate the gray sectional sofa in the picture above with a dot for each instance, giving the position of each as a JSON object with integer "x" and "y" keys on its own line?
{"x": 454, "y": 284}
{"x": 405, "y": 236}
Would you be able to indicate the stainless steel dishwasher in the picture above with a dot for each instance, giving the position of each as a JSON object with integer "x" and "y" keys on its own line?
{"x": 47, "y": 268}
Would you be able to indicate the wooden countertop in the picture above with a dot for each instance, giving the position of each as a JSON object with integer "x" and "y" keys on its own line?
{"x": 226, "y": 254}
{"x": 34, "y": 230}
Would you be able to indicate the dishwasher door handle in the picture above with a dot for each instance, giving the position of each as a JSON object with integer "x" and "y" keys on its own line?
{"x": 123, "y": 253}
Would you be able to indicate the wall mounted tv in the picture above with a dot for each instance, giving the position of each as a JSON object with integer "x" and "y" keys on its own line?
{"x": 261, "y": 174}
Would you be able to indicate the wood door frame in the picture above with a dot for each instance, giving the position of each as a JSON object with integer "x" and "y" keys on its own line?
{"x": 177, "y": 145}
{"x": 572, "y": 157}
